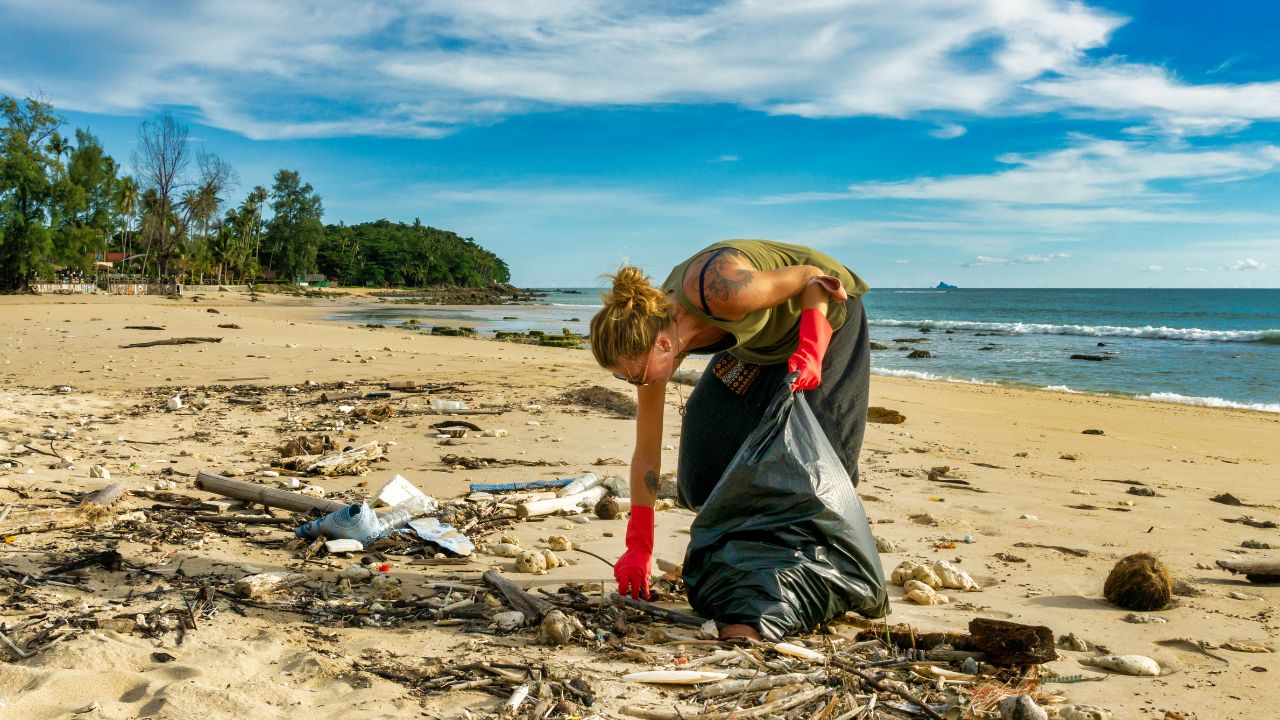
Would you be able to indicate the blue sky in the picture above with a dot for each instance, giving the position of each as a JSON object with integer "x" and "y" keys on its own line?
{"x": 1000, "y": 143}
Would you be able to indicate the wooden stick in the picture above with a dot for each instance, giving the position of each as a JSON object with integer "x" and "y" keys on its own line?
{"x": 672, "y": 616}
{"x": 271, "y": 497}
{"x": 759, "y": 711}
{"x": 529, "y": 604}
{"x": 91, "y": 510}
{"x": 870, "y": 680}
{"x": 22, "y": 654}
{"x": 174, "y": 341}
{"x": 769, "y": 682}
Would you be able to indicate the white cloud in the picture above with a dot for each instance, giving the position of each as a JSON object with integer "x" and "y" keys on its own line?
{"x": 317, "y": 68}
{"x": 1036, "y": 259}
{"x": 901, "y": 262}
{"x": 950, "y": 131}
{"x": 1193, "y": 269}
{"x": 1129, "y": 90}
{"x": 1091, "y": 171}
{"x": 1155, "y": 268}
{"x": 1245, "y": 264}
{"x": 987, "y": 260}
{"x": 727, "y": 159}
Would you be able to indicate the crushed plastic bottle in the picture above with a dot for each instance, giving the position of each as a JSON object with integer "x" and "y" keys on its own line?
{"x": 582, "y": 483}
{"x": 401, "y": 514}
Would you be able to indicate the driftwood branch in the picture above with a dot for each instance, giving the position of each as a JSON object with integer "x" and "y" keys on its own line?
{"x": 268, "y": 496}
{"x": 528, "y": 603}
{"x": 174, "y": 341}
{"x": 1258, "y": 570}
{"x": 869, "y": 679}
{"x": 93, "y": 509}
{"x": 772, "y": 708}
{"x": 671, "y": 616}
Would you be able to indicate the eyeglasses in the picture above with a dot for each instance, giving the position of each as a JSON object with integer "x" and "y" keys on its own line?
{"x": 644, "y": 379}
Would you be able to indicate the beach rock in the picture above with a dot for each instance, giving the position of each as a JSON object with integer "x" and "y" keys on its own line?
{"x": 559, "y": 543}
{"x": 1144, "y": 619}
{"x": 1083, "y": 712}
{"x": 1227, "y": 499}
{"x": 1141, "y": 491}
{"x": 886, "y": 545}
{"x": 989, "y": 347}
{"x": 877, "y": 414}
{"x": 1256, "y": 545}
{"x": 921, "y": 594}
{"x": 1021, "y": 707}
{"x": 1092, "y": 431}
{"x": 531, "y": 561}
{"x": 919, "y": 355}
{"x": 1094, "y": 358}
{"x": 878, "y": 346}
{"x": 1072, "y": 641}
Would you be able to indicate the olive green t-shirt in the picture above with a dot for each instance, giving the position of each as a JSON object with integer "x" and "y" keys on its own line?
{"x": 768, "y": 336}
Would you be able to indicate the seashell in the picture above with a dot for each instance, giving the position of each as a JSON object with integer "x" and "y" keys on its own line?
{"x": 559, "y": 542}
{"x": 903, "y": 572}
{"x": 552, "y": 560}
{"x": 1083, "y": 712}
{"x": 921, "y": 594}
{"x": 675, "y": 677}
{"x": 953, "y": 577}
{"x": 797, "y": 651}
{"x": 1125, "y": 664}
{"x": 502, "y": 550}
{"x": 531, "y": 561}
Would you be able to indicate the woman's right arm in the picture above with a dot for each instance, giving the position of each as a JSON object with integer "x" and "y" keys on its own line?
{"x": 646, "y": 459}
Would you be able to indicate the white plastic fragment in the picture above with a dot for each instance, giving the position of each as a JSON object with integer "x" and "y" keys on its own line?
{"x": 797, "y": 651}
{"x": 395, "y": 491}
{"x": 175, "y": 402}
{"x": 344, "y": 545}
{"x": 675, "y": 677}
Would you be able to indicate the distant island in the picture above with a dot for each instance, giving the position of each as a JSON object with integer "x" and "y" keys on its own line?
{"x": 944, "y": 286}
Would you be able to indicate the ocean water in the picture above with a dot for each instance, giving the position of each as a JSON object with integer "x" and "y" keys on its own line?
{"x": 1208, "y": 347}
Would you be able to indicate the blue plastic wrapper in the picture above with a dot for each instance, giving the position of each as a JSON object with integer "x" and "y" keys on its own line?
{"x": 782, "y": 543}
{"x": 353, "y": 522}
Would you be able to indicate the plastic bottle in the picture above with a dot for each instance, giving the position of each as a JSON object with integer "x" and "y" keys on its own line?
{"x": 448, "y": 405}
{"x": 579, "y": 484}
{"x": 401, "y": 514}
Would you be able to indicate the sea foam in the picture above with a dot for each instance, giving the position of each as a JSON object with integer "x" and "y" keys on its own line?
{"x": 1149, "y": 332}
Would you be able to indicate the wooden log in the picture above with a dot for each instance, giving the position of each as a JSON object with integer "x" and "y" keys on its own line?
{"x": 1256, "y": 570}
{"x": 349, "y": 462}
{"x": 263, "y": 495}
{"x": 671, "y": 616}
{"x": 577, "y": 501}
{"x": 1008, "y": 643}
{"x": 174, "y": 341}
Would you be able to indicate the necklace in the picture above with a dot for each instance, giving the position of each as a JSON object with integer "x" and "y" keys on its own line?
{"x": 679, "y": 392}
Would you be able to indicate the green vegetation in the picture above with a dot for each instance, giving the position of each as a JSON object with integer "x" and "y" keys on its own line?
{"x": 384, "y": 253}
{"x": 65, "y": 204}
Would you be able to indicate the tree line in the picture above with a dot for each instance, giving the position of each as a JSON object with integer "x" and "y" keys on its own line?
{"x": 63, "y": 202}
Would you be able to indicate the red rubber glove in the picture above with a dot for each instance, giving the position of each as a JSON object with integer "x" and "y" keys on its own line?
{"x": 815, "y": 336}
{"x": 632, "y": 570}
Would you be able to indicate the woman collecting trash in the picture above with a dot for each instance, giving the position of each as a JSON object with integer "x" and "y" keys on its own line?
{"x": 762, "y": 309}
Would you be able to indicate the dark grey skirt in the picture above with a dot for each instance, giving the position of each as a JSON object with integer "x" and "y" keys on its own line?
{"x": 731, "y": 398}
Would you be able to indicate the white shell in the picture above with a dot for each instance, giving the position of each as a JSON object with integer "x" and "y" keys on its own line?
{"x": 1125, "y": 664}
{"x": 675, "y": 677}
{"x": 796, "y": 651}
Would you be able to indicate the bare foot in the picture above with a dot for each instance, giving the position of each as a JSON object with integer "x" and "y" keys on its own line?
{"x": 738, "y": 632}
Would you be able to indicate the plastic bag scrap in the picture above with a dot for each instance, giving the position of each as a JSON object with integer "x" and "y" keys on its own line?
{"x": 782, "y": 544}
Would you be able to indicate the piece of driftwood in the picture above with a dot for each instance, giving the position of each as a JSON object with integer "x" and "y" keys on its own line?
{"x": 263, "y": 495}
{"x": 772, "y": 708}
{"x": 528, "y": 603}
{"x": 174, "y": 341}
{"x": 1255, "y": 570}
{"x": 1009, "y": 643}
{"x": 671, "y": 616}
{"x": 92, "y": 510}
{"x": 725, "y": 688}
{"x": 143, "y": 327}
{"x": 349, "y": 462}
{"x": 871, "y": 680}
{"x": 585, "y": 499}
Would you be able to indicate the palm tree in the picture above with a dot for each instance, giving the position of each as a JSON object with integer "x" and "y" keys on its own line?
{"x": 127, "y": 205}
{"x": 59, "y": 146}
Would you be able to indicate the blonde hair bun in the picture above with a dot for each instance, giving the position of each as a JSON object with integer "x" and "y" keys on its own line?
{"x": 634, "y": 312}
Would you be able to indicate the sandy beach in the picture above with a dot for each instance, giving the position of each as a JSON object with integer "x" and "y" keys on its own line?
{"x": 1023, "y": 454}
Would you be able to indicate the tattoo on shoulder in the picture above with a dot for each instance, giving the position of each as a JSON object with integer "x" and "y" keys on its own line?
{"x": 725, "y": 277}
{"x": 651, "y": 482}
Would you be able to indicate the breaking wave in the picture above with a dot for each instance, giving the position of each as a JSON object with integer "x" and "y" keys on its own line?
{"x": 1210, "y": 402}
{"x": 1149, "y": 332}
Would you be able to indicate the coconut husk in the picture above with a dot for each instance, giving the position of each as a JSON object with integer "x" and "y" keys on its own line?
{"x": 307, "y": 445}
{"x": 1139, "y": 582}
{"x": 601, "y": 398}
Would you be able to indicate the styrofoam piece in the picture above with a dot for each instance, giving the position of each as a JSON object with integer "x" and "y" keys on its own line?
{"x": 395, "y": 491}
{"x": 344, "y": 545}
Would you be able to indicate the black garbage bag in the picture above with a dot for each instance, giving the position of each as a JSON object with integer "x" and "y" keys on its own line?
{"x": 782, "y": 544}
